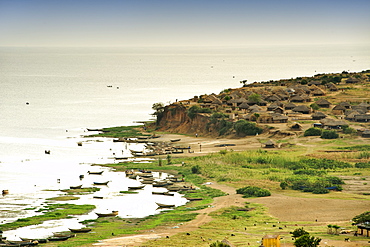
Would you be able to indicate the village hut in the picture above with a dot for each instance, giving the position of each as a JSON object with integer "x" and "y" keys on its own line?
{"x": 366, "y": 133}
{"x": 251, "y": 117}
{"x": 289, "y": 106}
{"x": 365, "y": 105}
{"x": 318, "y": 115}
{"x": 305, "y": 89}
{"x": 271, "y": 241}
{"x": 361, "y": 228}
{"x": 244, "y": 106}
{"x": 265, "y": 118}
{"x": 306, "y": 97}
{"x": 318, "y": 92}
{"x": 331, "y": 86}
{"x": 295, "y": 126}
{"x": 302, "y": 109}
{"x": 359, "y": 109}
{"x": 362, "y": 118}
{"x": 330, "y": 123}
{"x": 272, "y": 98}
{"x": 297, "y": 98}
{"x": 345, "y": 105}
{"x": 316, "y": 83}
{"x": 352, "y": 80}
{"x": 338, "y": 110}
{"x": 351, "y": 115}
{"x": 279, "y": 118}
{"x": 254, "y": 108}
{"x": 272, "y": 107}
{"x": 269, "y": 144}
{"x": 323, "y": 103}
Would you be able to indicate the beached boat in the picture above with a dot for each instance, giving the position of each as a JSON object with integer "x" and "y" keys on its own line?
{"x": 39, "y": 240}
{"x": 147, "y": 182}
{"x": 20, "y": 243}
{"x": 194, "y": 199}
{"x": 75, "y": 187}
{"x": 114, "y": 213}
{"x": 158, "y": 193}
{"x": 81, "y": 230}
{"x": 101, "y": 183}
{"x": 98, "y": 197}
{"x": 161, "y": 205}
{"x": 95, "y": 173}
{"x": 136, "y": 187}
{"x": 61, "y": 238}
{"x": 159, "y": 184}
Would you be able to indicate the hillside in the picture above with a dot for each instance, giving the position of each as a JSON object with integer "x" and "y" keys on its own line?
{"x": 285, "y": 107}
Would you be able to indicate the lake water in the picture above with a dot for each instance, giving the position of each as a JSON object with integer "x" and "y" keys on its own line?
{"x": 49, "y": 96}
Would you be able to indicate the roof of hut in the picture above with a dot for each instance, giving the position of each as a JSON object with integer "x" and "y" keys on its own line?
{"x": 332, "y": 86}
{"x": 352, "y": 80}
{"x": 352, "y": 114}
{"x": 323, "y": 102}
{"x": 318, "y": 91}
{"x": 360, "y": 109}
{"x": 345, "y": 104}
{"x": 301, "y": 108}
{"x": 244, "y": 105}
{"x": 339, "y": 107}
{"x": 273, "y": 97}
{"x": 314, "y": 83}
{"x": 297, "y": 98}
{"x": 332, "y": 122}
{"x": 295, "y": 125}
{"x": 290, "y": 105}
{"x": 364, "y": 104}
{"x": 269, "y": 143}
{"x": 318, "y": 114}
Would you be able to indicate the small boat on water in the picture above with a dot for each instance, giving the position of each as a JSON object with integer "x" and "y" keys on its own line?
{"x": 95, "y": 173}
{"x": 175, "y": 140}
{"x": 81, "y": 230}
{"x": 98, "y": 197}
{"x": 75, "y": 187}
{"x": 101, "y": 183}
{"x": 161, "y": 205}
{"x": 39, "y": 240}
{"x": 147, "y": 182}
{"x": 136, "y": 187}
{"x": 114, "y": 213}
{"x": 5, "y": 192}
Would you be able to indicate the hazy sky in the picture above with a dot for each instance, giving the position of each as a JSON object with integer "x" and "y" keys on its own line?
{"x": 182, "y": 22}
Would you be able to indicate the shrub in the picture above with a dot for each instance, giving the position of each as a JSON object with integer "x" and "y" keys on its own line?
{"x": 349, "y": 131}
{"x": 195, "y": 169}
{"x": 315, "y": 106}
{"x": 252, "y": 191}
{"x": 329, "y": 134}
{"x": 299, "y": 232}
{"x": 284, "y": 185}
{"x": 313, "y": 132}
{"x": 192, "y": 111}
{"x": 362, "y": 165}
{"x": 244, "y": 128}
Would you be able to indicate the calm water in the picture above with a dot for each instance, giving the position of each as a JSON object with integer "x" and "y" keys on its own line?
{"x": 71, "y": 89}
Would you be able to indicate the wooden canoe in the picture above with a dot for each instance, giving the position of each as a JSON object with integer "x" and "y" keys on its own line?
{"x": 101, "y": 183}
{"x": 136, "y": 187}
{"x": 175, "y": 140}
{"x": 75, "y": 187}
{"x": 95, "y": 173}
{"x": 114, "y": 213}
{"x": 81, "y": 230}
{"x": 161, "y": 205}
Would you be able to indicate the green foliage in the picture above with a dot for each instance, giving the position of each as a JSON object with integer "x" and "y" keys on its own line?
{"x": 329, "y": 134}
{"x": 284, "y": 185}
{"x": 256, "y": 98}
{"x": 310, "y": 172}
{"x": 307, "y": 241}
{"x": 195, "y": 109}
{"x": 362, "y": 218}
{"x": 316, "y": 185}
{"x": 196, "y": 169}
{"x": 253, "y": 191}
{"x": 227, "y": 97}
{"x": 219, "y": 244}
{"x": 364, "y": 147}
{"x": 362, "y": 165}
{"x": 349, "y": 131}
{"x": 315, "y": 106}
{"x": 169, "y": 159}
{"x": 313, "y": 132}
{"x": 244, "y": 128}
{"x": 299, "y": 232}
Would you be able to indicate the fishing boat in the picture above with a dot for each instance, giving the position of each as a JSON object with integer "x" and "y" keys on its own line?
{"x": 98, "y": 197}
{"x": 136, "y": 187}
{"x": 158, "y": 193}
{"x": 194, "y": 199}
{"x": 95, "y": 173}
{"x": 39, "y": 240}
{"x": 159, "y": 184}
{"x": 114, "y": 213}
{"x": 101, "y": 183}
{"x": 81, "y": 230}
{"x": 147, "y": 182}
{"x": 175, "y": 140}
{"x": 61, "y": 238}
{"x": 161, "y": 205}
{"x": 75, "y": 187}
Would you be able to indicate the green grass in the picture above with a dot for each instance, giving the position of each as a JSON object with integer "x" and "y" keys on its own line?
{"x": 122, "y": 131}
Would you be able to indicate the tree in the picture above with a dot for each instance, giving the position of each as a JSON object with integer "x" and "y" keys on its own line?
{"x": 299, "y": 232}
{"x": 307, "y": 241}
{"x": 315, "y": 106}
{"x": 255, "y": 98}
{"x": 313, "y": 132}
{"x": 244, "y": 82}
{"x": 159, "y": 109}
{"x": 362, "y": 218}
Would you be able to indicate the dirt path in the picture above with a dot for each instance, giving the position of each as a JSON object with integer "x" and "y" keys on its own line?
{"x": 203, "y": 217}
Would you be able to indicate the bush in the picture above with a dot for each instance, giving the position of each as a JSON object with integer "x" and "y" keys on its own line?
{"x": 192, "y": 111}
{"x": 313, "y": 132}
{"x": 362, "y": 165}
{"x": 195, "y": 169}
{"x": 252, "y": 191}
{"x": 329, "y": 134}
{"x": 349, "y": 131}
{"x": 244, "y": 128}
{"x": 299, "y": 232}
{"x": 315, "y": 106}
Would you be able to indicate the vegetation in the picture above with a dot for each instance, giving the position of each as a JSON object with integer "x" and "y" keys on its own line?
{"x": 362, "y": 218}
{"x": 244, "y": 128}
{"x": 307, "y": 241}
{"x": 329, "y": 134}
{"x": 313, "y": 132}
{"x": 195, "y": 109}
{"x": 252, "y": 191}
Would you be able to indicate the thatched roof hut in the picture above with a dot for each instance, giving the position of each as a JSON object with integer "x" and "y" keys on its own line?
{"x": 244, "y": 105}
{"x": 318, "y": 92}
{"x": 289, "y": 106}
{"x": 366, "y": 133}
{"x": 364, "y": 104}
{"x": 295, "y": 126}
{"x": 345, "y": 104}
{"x": 331, "y": 123}
{"x": 302, "y": 109}
{"x": 362, "y": 118}
{"x": 323, "y": 103}
{"x": 332, "y": 87}
{"x": 314, "y": 83}
{"x": 352, "y": 80}
{"x": 318, "y": 115}
{"x": 272, "y": 98}
{"x": 297, "y": 98}
{"x": 269, "y": 144}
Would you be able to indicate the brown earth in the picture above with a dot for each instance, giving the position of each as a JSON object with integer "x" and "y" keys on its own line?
{"x": 283, "y": 207}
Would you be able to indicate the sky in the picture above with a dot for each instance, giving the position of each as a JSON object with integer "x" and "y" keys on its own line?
{"x": 183, "y": 22}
